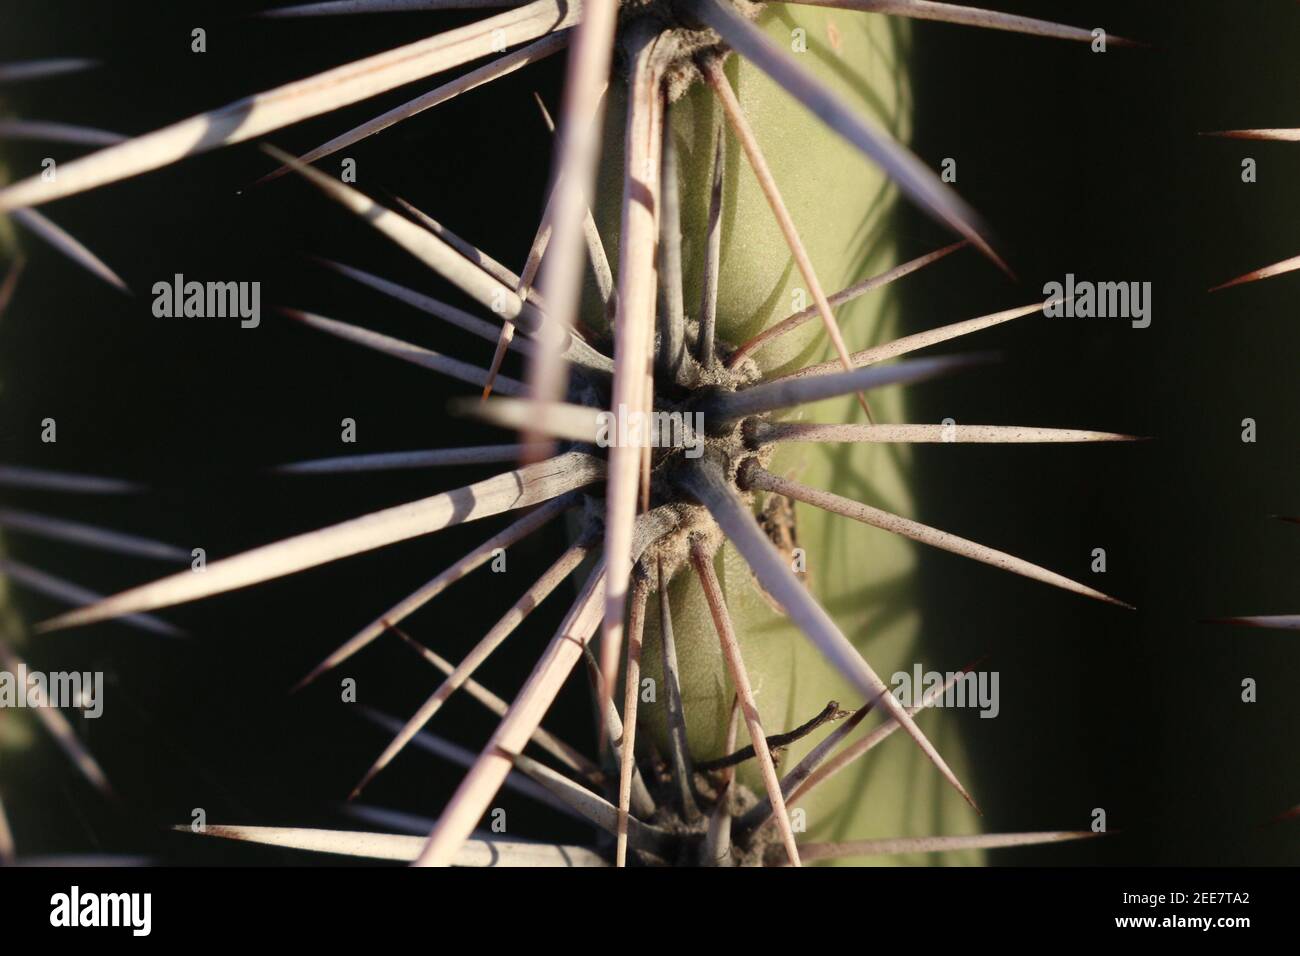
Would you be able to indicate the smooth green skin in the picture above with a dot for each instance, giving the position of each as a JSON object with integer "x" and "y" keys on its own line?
{"x": 17, "y": 728}
{"x": 841, "y": 205}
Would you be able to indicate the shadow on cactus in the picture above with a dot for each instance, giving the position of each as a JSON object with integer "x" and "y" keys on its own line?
{"x": 698, "y": 436}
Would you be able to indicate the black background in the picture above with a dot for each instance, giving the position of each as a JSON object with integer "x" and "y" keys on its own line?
{"x": 1083, "y": 163}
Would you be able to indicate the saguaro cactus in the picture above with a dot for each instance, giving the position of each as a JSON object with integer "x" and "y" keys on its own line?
{"x": 728, "y": 169}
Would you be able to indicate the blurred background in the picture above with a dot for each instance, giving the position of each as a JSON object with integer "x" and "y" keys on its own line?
{"x": 1084, "y": 163}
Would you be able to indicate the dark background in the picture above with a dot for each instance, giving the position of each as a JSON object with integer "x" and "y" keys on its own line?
{"x": 1083, "y": 163}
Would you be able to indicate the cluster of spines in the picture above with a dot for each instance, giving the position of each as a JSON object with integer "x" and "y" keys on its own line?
{"x": 541, "y": 302}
